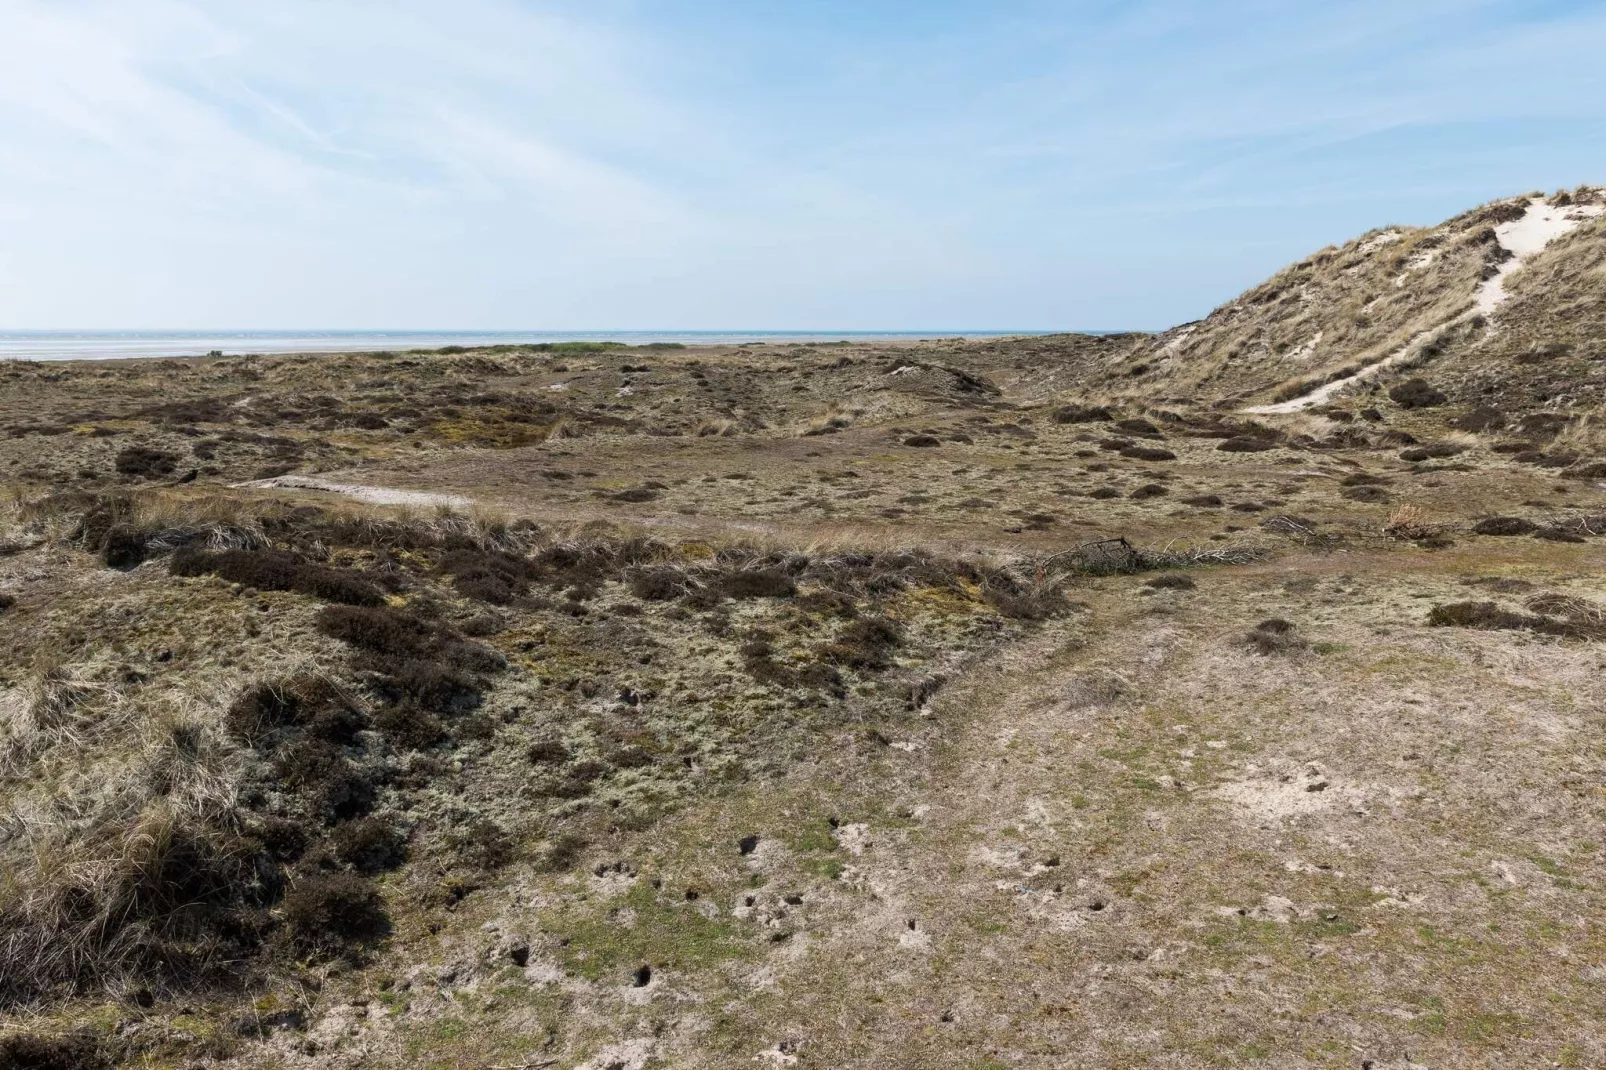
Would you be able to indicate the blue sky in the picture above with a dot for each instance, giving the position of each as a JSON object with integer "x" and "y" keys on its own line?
{"x": 693, "y": 164}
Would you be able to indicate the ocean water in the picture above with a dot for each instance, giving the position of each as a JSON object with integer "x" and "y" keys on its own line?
{"x": 111, "y": 345}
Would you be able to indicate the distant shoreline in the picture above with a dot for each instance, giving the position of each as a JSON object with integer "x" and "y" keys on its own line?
{"x": 64, "y": 345}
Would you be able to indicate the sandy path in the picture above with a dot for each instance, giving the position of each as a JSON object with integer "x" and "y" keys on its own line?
{"x": 363, "y": 492}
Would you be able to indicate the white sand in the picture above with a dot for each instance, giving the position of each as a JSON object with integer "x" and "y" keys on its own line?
{"x": 1526, "y": 237}
{"x": 362, "y": 492}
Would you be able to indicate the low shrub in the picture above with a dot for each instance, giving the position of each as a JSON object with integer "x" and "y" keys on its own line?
{"x": 487, "y": 575}
{"x": 1416, "y": 393}
{"x": 332, "y": 783}
{"x": 278, "y": 570}
{"x": 369, "y": 845}
{"x": 1082, "y": 414}
{"x": 1172, "y": 583}
{"x": 1150, "y": 490}
{"x": 864, "y": 644}
{"x": 1148, "y": 453}
{"x": 1504, "y": 525}
{"x": 1246, "y": 444}
{"x": 123, "y": 547}
{"x": 1482, "y": 418}
{"x": 1274, "y": 636}
{"x": 334, "y": 912}
{"x": 1366, "y": 494}
{"x": 922, "y": 441}
{"x": 143, "y": 462}
{"x": 406, "y": 727}
{"x": 757, "y": 583}
{"x": 1431, "y": 451}
{"x": 31, "y": 1051}
{"x": 658, "y": 585}
{"x": 1139, "y": 426}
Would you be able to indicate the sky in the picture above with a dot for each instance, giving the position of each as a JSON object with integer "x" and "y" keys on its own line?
{"x": 762, "y": 164}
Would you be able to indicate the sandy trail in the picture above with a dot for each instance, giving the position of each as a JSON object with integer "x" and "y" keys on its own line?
{"x": 362, "y": 492}
{"x": 1523, "y": 238}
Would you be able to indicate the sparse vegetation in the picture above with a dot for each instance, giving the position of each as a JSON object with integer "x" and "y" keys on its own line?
{"x": 794, "y": 669}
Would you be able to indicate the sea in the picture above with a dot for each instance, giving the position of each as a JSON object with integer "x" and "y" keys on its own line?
{"x": 112, "y": 345}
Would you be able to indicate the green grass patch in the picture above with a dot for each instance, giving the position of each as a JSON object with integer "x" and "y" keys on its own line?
{"x": 663, "y": 933}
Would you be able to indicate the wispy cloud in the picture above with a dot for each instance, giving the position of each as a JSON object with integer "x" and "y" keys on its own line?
{"x": 835, "y": 164}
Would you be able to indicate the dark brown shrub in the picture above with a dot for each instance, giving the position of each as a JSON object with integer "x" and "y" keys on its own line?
{"x": 1246, "y": 444}
{"x": 488, "y": 576}
{"x": 922, "y": 441}
{"x": 658, "y": 585}
{"x": 379, "y": 629}
{"x": 1416, "y": 394}
{"x": 7, "y": 600}
{"x": 634, "y": 494}
{"x": 1482, "y": 418}
{"x": 334, "y": 912}
{"x": 1596, "y": 470}
{"x": 336, "y": 585}
{"x": 1104, "y": 493}
{"x": 1082, "y": 414}
{"x": 1543, "y": 424}
{"x": 1504, "y": 525}
{"x": 429, "y": 685}
{"x": 1204, "y": 501}
{"x": 407, "y": 727}
{"x": 864, "y": 644}
{"x": 259, "y": 711}
{"x": 1139, "y": 426}
{"x": 277, "y": 570}
{"x": 369, "y": 845}
{"x": 820, "y": 678}
{"x": 1172, "y": 582}
{"x": 757, "y": 583}
{"x": 1148, "y": 453}
{"x": 1483, "y": 615}
{"x": 330, "y": 780}
{"x": 1365, "y": 493}
{"x": 549, "y": 751}
{"x": 482, "y": 845}
{"x": 1274, "y": 636}
{"x": 145, "y": 463}
{"x": 1151, "y": 490}
{"x": 308, "y": 702}
{"x": 1431, "y": 451}
{"x": 285, "y": 840}
{"x": 123, "y": 547}
{"x": 484, "y": 625}
{"x": 31, "y": 1051}
{"x": 1028, "y": 604}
